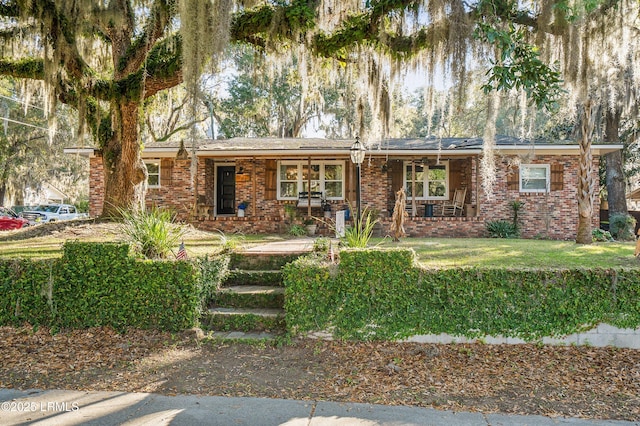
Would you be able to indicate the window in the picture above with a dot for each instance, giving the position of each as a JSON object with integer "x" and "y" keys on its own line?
{"x": 432, "y": 181}
{"x": 153, "y": 170}
{"x": 326, "y": 177}
{"x": 534, "y": 178}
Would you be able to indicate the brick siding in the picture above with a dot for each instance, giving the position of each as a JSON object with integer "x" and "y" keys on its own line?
{"x": 548, "y": 215}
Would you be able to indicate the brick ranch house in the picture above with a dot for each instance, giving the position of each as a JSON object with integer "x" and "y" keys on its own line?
{"x": 270, "y": 173}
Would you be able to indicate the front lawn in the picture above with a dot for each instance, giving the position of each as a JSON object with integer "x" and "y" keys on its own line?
{"x": 518, "y": 253}
{"x": 432, "y": 252}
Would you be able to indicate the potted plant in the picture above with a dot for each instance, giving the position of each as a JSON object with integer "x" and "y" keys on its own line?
{"x": 311, "y": 226}
{"x": 242, "y": 207}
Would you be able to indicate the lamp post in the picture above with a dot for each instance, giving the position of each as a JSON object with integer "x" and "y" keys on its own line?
{"x": 357, "y": 152}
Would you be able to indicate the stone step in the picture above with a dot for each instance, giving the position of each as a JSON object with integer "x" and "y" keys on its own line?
{"x": 237, "y": 277}
{"x": 252, "y": 261}
{"x": 249, "y": 296}
{"x": 244, "y": 319}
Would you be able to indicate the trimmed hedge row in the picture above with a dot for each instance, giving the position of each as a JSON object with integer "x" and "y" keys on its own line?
{"x": 384, "y": 294}
{"x": 97, "y": 284}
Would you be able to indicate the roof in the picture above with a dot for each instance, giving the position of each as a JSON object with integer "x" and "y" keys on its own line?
{"x": 393, "y": 146}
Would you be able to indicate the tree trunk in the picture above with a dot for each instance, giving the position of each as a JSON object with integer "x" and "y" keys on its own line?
{"x": 585, "y": 178}
{"x": 616, "y": 185}
{"x": 125, "y": 177}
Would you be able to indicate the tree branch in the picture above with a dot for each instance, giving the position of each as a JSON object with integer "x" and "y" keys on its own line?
{"x": 161, "y": 16}
{"x": 23, "y": 68}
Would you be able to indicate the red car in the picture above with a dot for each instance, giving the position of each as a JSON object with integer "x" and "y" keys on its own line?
{"x": 10, "y": 220}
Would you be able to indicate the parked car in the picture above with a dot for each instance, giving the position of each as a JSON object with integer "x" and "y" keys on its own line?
{"x": 47, "y": 213}
{"x": 10, "y": 220}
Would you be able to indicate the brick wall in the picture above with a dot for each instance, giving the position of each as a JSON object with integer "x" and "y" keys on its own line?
{"x": 550, "y": 215}
{"x": 96, "y": 186}
{"x": 176, "y": 189}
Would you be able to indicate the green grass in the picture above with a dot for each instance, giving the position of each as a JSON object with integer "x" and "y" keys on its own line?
{"x": 432, "y": 252}
{"x": 48, "y": 247}
{"x": 517, "y": 253}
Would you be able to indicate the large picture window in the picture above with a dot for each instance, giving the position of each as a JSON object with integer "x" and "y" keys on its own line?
{"x": 326, "y": 177}
{"x": 153, "y": 171}
{"x": 432, "y": 181}
{"x": 534, "y": 178}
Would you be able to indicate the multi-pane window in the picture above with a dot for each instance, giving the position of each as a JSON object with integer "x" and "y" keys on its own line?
{"x": 326, "y": 177}
{"x": 431, "y": 181}
{"x": 534, "y": 178}
{"x": 153, "y": 171}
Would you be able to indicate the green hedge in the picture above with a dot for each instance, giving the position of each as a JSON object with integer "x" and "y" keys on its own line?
{"x": 97, "y": 284}
{"x": 376, "y": 294}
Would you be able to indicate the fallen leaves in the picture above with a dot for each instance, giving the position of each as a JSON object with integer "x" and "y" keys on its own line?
{"x": 521, "y": 379}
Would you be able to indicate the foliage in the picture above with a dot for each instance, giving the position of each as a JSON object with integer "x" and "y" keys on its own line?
{"x": 321, "y": 245}
{"x": 297, "y": 230}
{"x": 359, "y": 235}
{"x": 600, "y": 235}
{"x": 213, "y": 272}
{"x": 377, "y": 294}
{"x": 152, "y": 233}
{"x": 30, "y": 155}
{"x": 622, "y": 227}
{"x": 502, "y": 229}
{"x": 97, "y": 284}
{"x": 519, "y": 65}
{"x": 229, "y": 243}
{"x": 516, "y": 206}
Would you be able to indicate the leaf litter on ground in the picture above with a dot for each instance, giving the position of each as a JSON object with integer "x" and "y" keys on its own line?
{"x": 587, "y": 382}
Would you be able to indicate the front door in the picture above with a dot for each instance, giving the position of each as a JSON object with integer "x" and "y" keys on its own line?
{"x": 226, "y": 190}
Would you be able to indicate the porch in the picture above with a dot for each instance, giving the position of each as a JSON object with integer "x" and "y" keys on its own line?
{"x": 436, "y": 226}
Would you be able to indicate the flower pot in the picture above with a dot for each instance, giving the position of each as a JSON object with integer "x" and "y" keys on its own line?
{"x": 240, "y": 212}
{"x": 311, "y": 229}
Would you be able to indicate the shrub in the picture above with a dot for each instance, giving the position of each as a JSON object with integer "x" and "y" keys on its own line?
{"x": 297, "y": 230}
{"x": 600, "y": 235}
{"x": 151, "y": 233}
{"x": 502, "y": 229}
{"x": 376, "y": 294}
{"x": 359, "y": 235}
{"x": 96, "y": 284}
{"x": 622, "y": 226}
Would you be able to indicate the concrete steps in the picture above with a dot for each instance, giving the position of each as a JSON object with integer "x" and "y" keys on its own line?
{"x": 250, "y": 301}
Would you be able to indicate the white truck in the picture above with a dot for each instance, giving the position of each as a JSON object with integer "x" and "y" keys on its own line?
{"x": 48, "y": 213}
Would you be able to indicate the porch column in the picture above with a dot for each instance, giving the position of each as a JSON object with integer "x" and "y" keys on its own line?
{"x": 254, "y": 189}
{"x": 413, "y": 188}
{"x": 309, "y": 187}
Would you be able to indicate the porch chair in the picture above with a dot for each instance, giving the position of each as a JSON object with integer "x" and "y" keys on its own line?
{"x": 451, "y": 208}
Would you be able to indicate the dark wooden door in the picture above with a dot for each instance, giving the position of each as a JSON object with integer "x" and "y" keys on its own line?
{"x": 226, "y": 190}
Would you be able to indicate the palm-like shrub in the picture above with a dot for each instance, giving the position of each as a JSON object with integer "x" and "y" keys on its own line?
{"x": 151, "y": 233}
{"x": 360, "y": 233}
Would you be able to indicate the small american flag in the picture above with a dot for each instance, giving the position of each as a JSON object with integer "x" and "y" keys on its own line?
{"x": 182, "y": 253}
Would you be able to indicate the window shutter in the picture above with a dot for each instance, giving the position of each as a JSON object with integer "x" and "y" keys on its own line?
{"x": 557, "y": 177}
{"x": 513, "y": 179}
{"x": 271, "y": 181}
{"x": 166, "y": 171}
{"x": 395, "y": 170}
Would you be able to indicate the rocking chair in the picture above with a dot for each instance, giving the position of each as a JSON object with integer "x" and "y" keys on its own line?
{"x": 451, "y": 208}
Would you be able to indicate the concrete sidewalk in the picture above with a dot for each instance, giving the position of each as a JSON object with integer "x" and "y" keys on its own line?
{"x": 57, "y": 407}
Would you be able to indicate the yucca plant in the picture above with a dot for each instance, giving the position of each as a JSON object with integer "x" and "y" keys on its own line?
{"x": 360, "y": 233}
{"x": 151, "y": 233}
